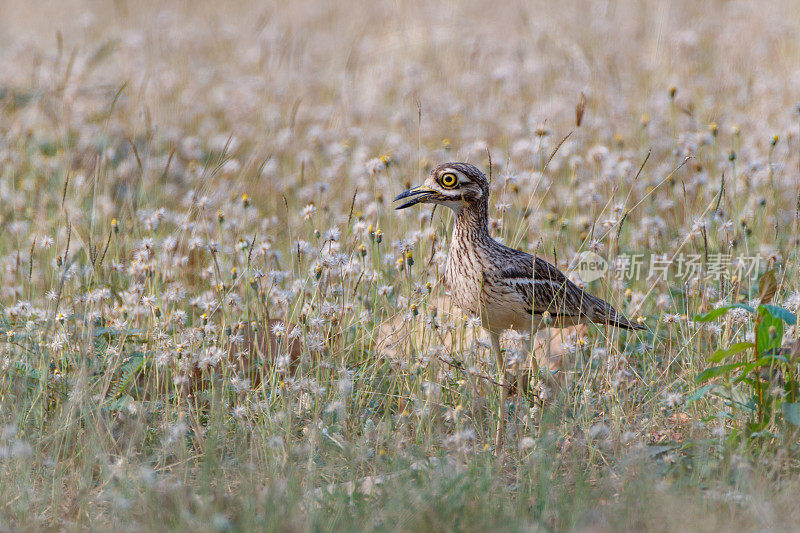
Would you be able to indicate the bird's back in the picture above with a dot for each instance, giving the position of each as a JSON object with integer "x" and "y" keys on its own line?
{"x": 509, "y": 288}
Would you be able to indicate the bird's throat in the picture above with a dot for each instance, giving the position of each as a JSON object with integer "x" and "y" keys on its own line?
{"x": 472, "y": 223}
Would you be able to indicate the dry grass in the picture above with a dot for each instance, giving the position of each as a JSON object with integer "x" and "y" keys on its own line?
{"x": 129, "y": 135}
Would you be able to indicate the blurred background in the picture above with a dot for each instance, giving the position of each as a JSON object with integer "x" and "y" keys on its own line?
{"x": 479, "y": 70}
{"x": 172, "y": 170}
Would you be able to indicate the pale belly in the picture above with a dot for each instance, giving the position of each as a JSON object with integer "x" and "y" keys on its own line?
{"x": 499, "y": 307}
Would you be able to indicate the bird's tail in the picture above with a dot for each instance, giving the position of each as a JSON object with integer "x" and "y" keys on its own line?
{"x": 602, "y": 312}
{"x": 621, "y": 322}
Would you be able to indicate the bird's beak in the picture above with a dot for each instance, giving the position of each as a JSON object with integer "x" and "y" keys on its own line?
{"x": 417, "y": 195}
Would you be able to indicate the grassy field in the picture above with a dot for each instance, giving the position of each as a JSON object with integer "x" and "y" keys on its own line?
{"x": 177, "y": 177}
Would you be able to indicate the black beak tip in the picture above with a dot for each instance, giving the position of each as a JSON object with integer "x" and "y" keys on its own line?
{"x": 417, "y": 195}
{"x": 403, "y": 206}
{"x": 406, "y": 194}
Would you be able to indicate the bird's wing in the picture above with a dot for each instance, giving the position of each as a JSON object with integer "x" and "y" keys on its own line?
{"x": 544, "y": 286}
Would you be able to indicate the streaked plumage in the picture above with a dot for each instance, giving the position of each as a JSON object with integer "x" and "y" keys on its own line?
{"x": 507, "y": 288}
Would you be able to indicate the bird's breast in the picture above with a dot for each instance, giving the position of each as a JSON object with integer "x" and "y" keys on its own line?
{"x": 464, "y": 277}
{"x": 476, "y": 289}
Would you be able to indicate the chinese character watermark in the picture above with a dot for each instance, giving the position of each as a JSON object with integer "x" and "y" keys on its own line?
{"x": 589, "y": 266}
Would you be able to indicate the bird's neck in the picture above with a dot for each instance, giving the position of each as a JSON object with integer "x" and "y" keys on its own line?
{"x": 472, "y": 223}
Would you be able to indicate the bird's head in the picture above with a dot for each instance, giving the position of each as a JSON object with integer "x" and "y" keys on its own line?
{"x": 453, "y": 185}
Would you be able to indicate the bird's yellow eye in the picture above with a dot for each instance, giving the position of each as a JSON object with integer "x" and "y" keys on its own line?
{"x": 449, "y": 180}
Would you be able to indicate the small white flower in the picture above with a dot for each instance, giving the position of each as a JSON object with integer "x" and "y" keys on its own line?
{"x": 308, "y": 211}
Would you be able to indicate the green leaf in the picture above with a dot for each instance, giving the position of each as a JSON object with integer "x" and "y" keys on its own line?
{"x": 126, "y": 374}
{"x": 791, "y": 412}
{"x": 720, "y": 311}
{"x": 120, "y": 403}
{"x": 737, "y": 395}
{"x": 779, "y": 312}
{"x": 760, "y": 362}
{"x": 699, "y": 393}
{"x": 716, "y": 371}
{"x": 721, "y": 354}
{"x": 765, "y": 341}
